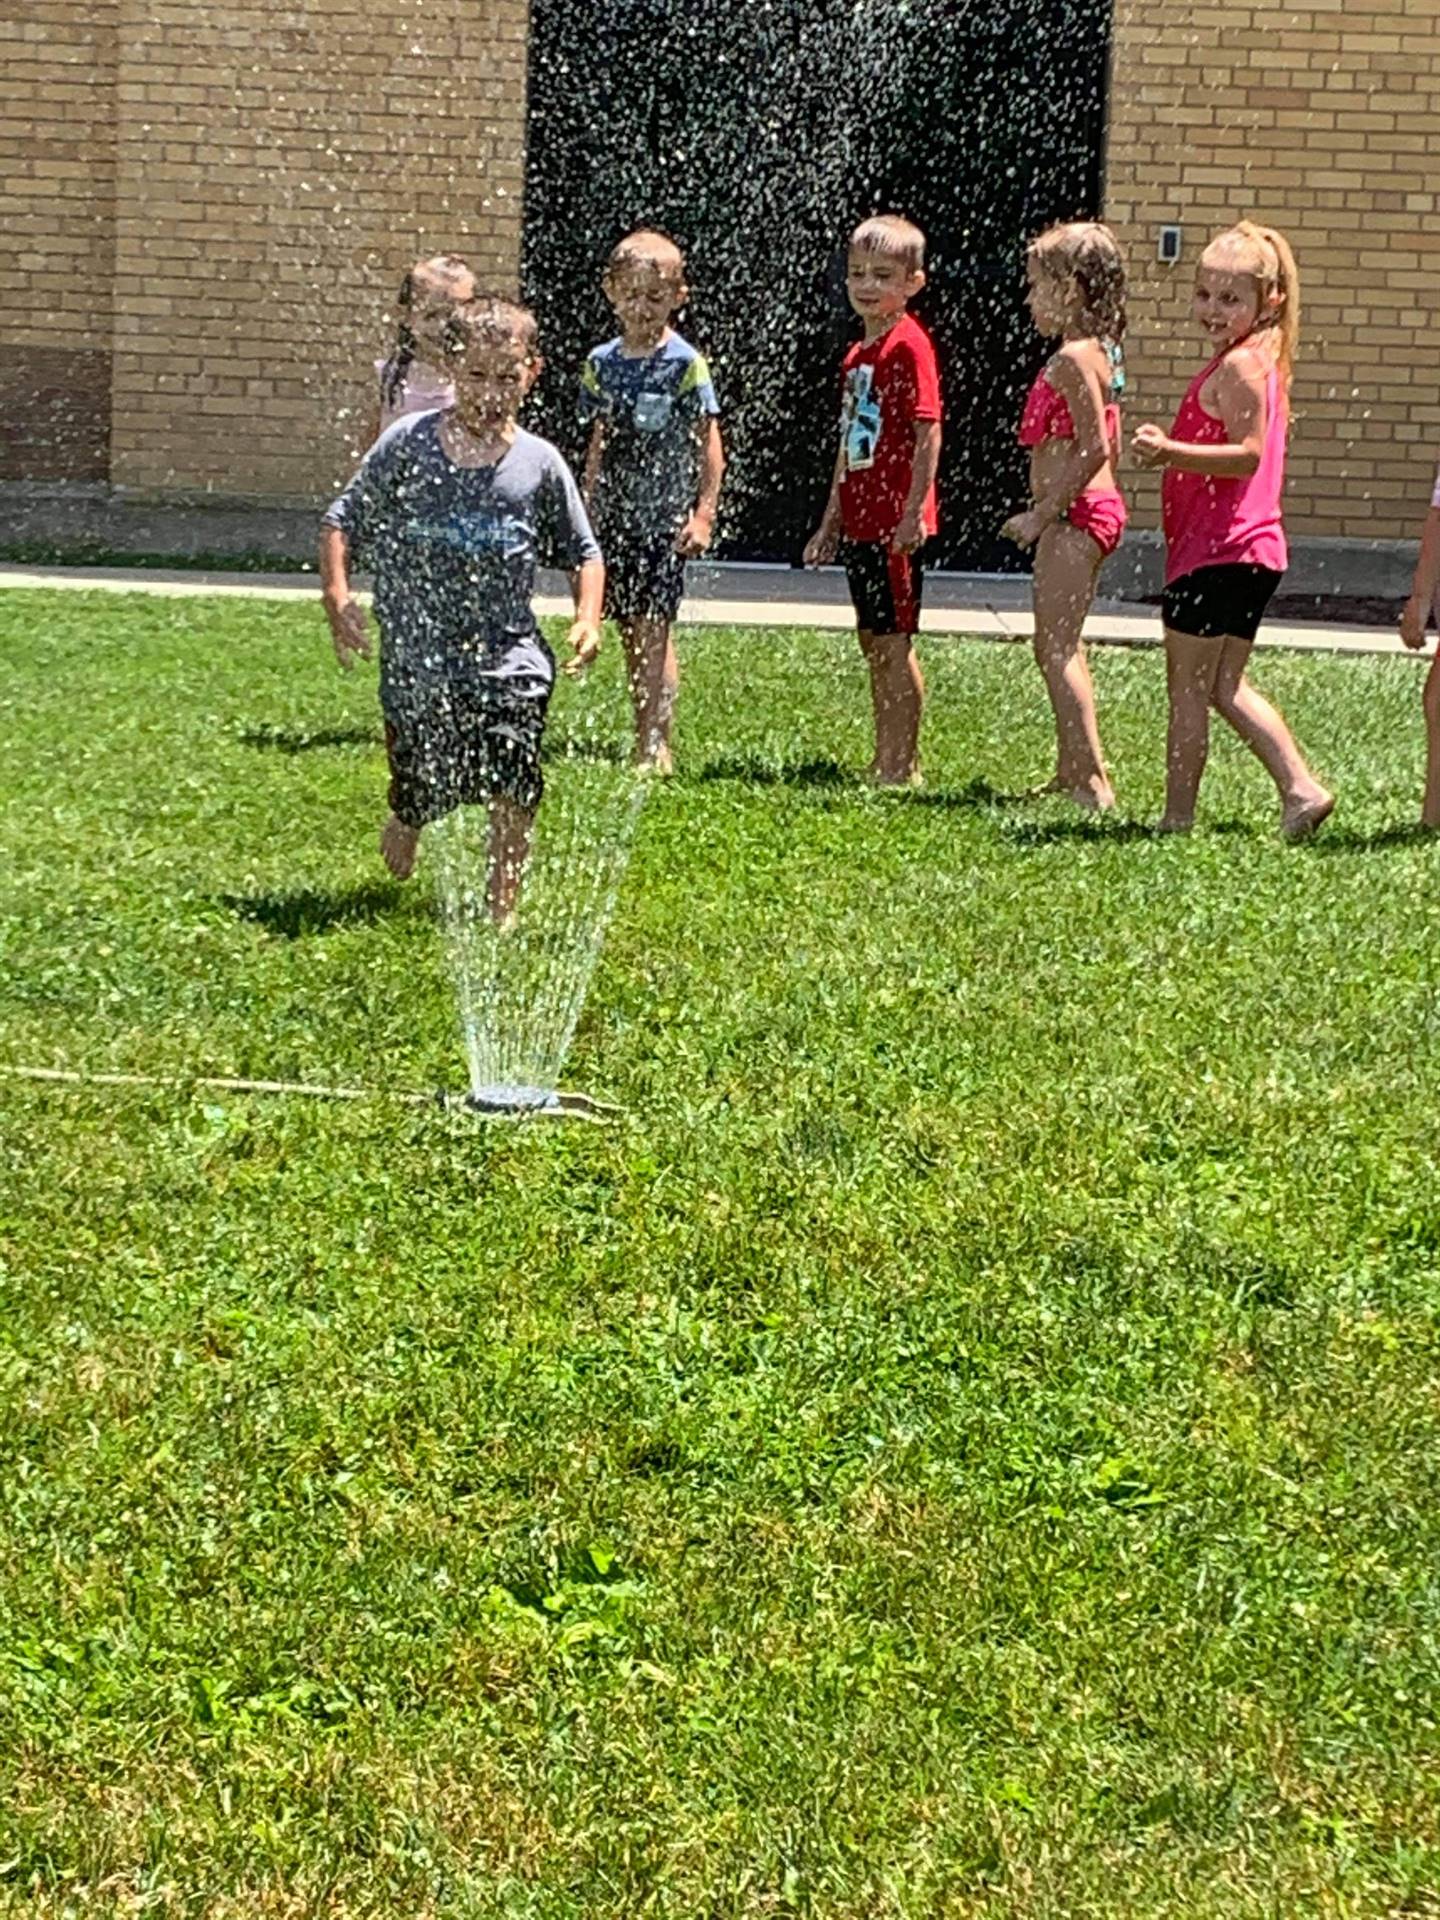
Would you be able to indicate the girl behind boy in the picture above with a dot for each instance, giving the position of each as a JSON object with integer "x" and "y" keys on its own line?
{"x": 1225, "y": 550}
{"x": 1077, "y": 515}
{"x": 1415, "y": 621}
{"x": 411, "y": 380}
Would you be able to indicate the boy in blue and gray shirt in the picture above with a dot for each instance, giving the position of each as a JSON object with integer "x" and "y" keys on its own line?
{"x": 652, "y": 471}
{"x": 454, "y": 510}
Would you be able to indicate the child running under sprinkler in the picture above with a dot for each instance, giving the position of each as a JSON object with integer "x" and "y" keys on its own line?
{"x": 1225, "y": 549}
{"x": 882, "y": 495}
{"x": 412, "y": 379}
{"x": 454, "y": 509}
{"x": 1415, "y": 623}
{"x": 1076, "y": 517}
{"x": 652, "y": 472}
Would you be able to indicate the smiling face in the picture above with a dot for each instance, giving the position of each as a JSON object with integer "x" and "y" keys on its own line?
{"x": 879, "y": 285}
{"x": 1227, "y": 304}
{"x": 644, "y": 294}
{"x": 493, "y": 373}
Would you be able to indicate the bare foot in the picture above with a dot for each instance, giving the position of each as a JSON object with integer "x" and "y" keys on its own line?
{"x": 1053, "y": 785}
{"x": 1302, "y": 817}
{"x": 399, "y": 847}
{"x": 1172, "y": 823}
{"x": 905, "y": 777}
{"x": 658, "y": 760}
{"x": 1092, "y": 796}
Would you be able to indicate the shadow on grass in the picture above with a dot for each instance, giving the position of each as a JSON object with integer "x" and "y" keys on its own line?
{"x": 295, "y": 916}
{"x": 282, "y": 740}
{"x": 763, "y": 773}
{"x": 555, "y": 747}
{"x": 975, "y": 793}
{"x": 1106, "y": 829}
{"x": 1337, "y": 840}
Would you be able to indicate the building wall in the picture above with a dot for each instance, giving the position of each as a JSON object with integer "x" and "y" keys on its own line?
{"x": 279, "y": 165}
{"x": 57, "y": 227}
{"x": 1321, "y": 119}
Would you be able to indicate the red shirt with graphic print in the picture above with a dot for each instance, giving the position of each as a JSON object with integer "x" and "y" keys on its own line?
{"x": 887, "y": 385}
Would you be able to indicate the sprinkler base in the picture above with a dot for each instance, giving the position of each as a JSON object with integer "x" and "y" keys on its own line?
{"x": 511, "y": 1099}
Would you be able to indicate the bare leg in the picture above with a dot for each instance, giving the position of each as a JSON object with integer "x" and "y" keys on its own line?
{"x": 399, "y": 847}
{"x": 1190, "y": 668}
{"x": 897, "y": 693}
{"x": 509, "y": 849}
{"x": 654, "y": 675}
{"x": 1306, "y": 803}
{"x": 1067, "y": 564}
{"x": 1430, "y": 817}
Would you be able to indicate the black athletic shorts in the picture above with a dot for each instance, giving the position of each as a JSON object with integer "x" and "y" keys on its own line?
{"x": 462, "y": 742}
{"x": 885, "y": 587}
{"x": 1213, "y": 602}
{"x": 644, "y": 577}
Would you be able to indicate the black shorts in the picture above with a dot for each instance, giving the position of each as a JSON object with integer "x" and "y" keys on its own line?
{"x": 456, "y": 742}
{"x": 885, "y": 587}
{"x": 1218, "y": 602}
{"x": 644, "y": 577}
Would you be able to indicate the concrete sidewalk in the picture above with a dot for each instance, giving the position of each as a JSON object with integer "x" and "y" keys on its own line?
{"x": 988, "y": 606}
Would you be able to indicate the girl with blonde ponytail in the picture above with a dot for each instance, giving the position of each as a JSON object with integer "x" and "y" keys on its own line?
{"x": 1225, "y": 549}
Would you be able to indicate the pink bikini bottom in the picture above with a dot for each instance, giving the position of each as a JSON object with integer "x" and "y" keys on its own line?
{"x": 1102, "y": 515}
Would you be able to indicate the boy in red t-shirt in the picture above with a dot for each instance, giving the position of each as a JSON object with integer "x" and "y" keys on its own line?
{"x": 882, "y": 497}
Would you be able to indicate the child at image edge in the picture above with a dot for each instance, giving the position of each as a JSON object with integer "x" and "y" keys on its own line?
{"x": 882, "y": 496}
{"x": 1415, "y": 622}
{"x": 1225, "y": 548}
{"x": 653, "y": 470}
{"x": 455, "y": 509}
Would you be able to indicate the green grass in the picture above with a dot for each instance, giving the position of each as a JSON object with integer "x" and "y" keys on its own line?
{"x": 966, "y": 1441}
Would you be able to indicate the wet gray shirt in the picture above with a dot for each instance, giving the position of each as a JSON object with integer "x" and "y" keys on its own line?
{"x": 455, "y": 549}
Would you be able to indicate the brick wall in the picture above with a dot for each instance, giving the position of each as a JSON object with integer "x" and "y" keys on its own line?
{"x": 278, "y": 167}
{"x": 1321, "y": 119}
{"x": 57, "y": 257}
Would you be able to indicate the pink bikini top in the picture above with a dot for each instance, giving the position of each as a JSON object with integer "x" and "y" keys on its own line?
{"x": 1047, "y": 416}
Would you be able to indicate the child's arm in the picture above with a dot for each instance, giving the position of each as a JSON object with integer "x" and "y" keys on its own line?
{"x": 821, "y": 547}
{"x": 588, "y": 582}
{"x": 694, "y": 536}
{"x": 1084, "y": 456}
{"x": 1420, "y": 608}
{"x": 1240, "y": 386}
{"x": 342, "y": 610}
{"x": 910, "y": 534}
{"x": 594, "y": 454}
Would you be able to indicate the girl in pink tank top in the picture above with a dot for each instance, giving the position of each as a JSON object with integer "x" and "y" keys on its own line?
{"x": 1071, "y": 426}
{"x": 1224, "y": 468}
{"x": 1415, "y": 622}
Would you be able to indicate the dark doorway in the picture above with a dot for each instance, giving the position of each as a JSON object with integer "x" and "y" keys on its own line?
{"x": 758, "y": 133}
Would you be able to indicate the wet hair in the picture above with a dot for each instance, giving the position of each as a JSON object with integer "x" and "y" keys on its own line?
{"x": 447, "y": 270}
{"x": 898, "y": 239}
{"x": 1089, "y": 254}
{"x": 491, "y": 316}
{"x": 1265, "y": 257}
{"x": 647, "y": 247}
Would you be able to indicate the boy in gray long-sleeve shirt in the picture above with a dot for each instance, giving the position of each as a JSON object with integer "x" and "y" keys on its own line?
{"x": 454, "y": 511}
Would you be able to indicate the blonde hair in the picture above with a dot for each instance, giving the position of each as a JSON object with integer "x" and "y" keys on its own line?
{"x": 648, "y": 247}
{"x": 1264, "y": 255}
{"x": 887, "y": 233}
{"x": 1089, "y": 254}
{"x": 491, "y": 316}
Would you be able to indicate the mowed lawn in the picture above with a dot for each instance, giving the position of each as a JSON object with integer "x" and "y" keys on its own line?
{"x": 964, "y": 1441}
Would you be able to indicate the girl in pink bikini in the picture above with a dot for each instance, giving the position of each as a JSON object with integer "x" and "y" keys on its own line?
{"x": 1071, "y": 425}
{"x": 1225, "y": 551}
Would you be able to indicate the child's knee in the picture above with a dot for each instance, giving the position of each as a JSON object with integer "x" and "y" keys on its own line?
{"x": 1430, "y": 699}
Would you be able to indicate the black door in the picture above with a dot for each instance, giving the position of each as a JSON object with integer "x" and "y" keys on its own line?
{"x": 758, "y": 132}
